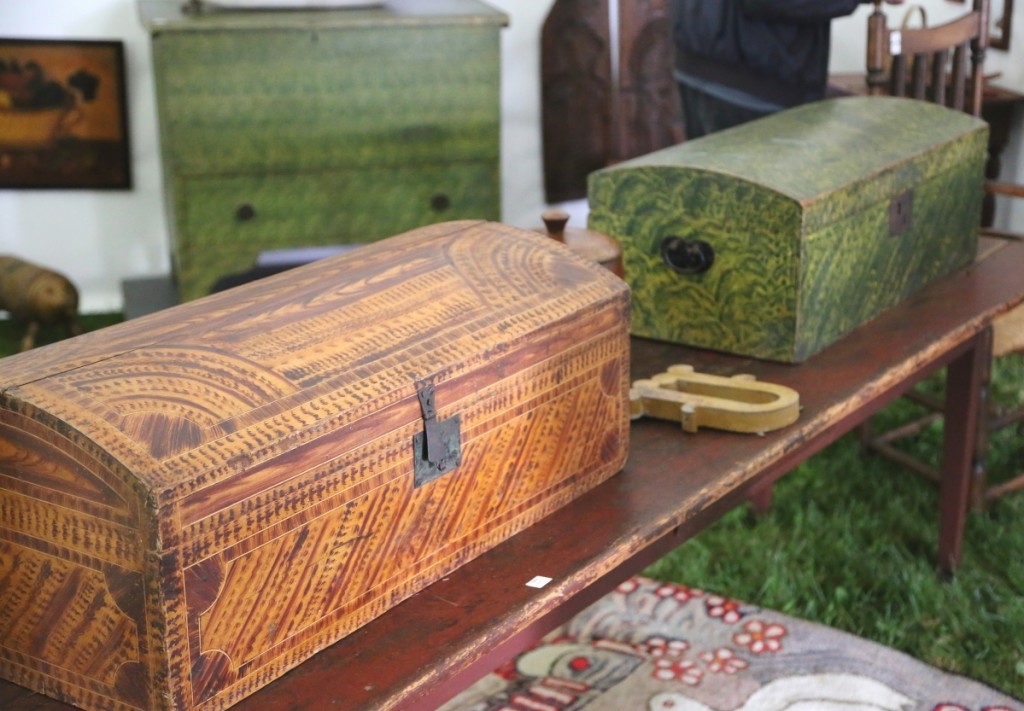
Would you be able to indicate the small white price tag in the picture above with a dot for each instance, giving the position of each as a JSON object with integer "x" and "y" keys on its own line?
{"x": 538, "y": 581}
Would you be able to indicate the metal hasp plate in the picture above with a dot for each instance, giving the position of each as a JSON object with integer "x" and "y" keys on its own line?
{"x": 901, "y": 213}
{"x": 437, "y": 449}
{"x": 739, "y": 403}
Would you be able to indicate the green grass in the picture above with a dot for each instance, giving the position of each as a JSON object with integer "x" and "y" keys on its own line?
{"x": 851, "y": 542}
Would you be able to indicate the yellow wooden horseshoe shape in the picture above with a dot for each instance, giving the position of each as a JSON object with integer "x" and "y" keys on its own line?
{"x": 739, "y": 403}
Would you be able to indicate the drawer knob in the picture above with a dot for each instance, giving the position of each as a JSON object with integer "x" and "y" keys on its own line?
{"x": 440, "y": 202}
{"x": 901, "y": 213}
{"x": 687, "y": 256}
{"x": 245, "y": 212}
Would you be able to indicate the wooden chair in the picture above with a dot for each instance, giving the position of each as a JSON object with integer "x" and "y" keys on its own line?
{"x": 944, "y": 64}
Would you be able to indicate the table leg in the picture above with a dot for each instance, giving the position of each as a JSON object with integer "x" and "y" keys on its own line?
{"x": 966, "y": 384}
{"x": 761, "y": 496}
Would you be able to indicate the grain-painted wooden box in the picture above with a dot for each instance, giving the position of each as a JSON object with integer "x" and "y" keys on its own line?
{"x": 195, "y": 501}
{"x": 775, "y": 238}
{"x": 318, "y": 126}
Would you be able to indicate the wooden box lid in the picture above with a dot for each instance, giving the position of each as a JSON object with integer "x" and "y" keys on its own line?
{"x": 179, "y": 397}
{"x": 824, "y": 161}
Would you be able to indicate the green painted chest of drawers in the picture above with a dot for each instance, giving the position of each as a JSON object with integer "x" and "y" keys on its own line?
{"x": 302, "y": 128}
{"x": 776, "y": 238}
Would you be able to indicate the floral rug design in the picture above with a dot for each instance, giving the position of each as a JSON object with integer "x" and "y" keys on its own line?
{"x": 653, "y": 646}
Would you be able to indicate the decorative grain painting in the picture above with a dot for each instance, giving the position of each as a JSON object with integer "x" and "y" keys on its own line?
{"x": 63, "y": 119}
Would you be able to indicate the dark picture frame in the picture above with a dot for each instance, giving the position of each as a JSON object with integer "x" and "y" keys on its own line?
{"x": 63, "y": 114}
{"x": 1000, "y": 23}
{"x": 999, "y": 36}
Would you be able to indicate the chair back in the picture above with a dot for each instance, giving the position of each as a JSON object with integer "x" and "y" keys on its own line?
{"x": 942, "y": 64}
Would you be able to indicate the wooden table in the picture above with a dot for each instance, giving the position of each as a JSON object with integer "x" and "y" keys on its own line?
{"x": 441, "y": 640}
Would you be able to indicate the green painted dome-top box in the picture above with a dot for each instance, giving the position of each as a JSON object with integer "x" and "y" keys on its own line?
{"x": 776, "y": 238}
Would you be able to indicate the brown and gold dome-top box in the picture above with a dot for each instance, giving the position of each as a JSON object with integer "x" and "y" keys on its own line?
{"x": 193, "y": 502}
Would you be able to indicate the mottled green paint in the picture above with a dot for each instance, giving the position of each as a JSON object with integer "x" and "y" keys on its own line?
{"x": 796, "y": 207}
{"x": 329, "y": 208}
{"x": 336, "y": 126}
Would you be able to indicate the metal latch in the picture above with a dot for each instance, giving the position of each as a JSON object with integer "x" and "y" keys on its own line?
{"x": 437, "y": 449}
{"x": 901, "y": 213}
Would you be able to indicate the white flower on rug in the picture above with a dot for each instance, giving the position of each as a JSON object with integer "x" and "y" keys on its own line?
{"x": 816, "y": 692}
{"x": 760, "y": 637}
{"x": 723, "y": 661}
{"x": 723, "y": 608}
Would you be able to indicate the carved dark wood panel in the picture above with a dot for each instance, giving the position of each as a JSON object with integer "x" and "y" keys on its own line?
{"x": 592, "y": 115}
{"x": 576, "y": 95}
{"x": 649, "y": 115}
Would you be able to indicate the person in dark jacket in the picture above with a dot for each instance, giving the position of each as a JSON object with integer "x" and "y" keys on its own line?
{"x": 737, "y": 60}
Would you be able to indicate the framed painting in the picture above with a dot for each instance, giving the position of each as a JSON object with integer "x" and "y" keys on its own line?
{"x": 1001, "y": 18}
{"x": 63, "y": 115}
